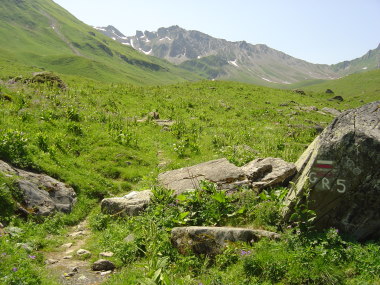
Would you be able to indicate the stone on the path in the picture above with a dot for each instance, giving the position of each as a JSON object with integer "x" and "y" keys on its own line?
{"x": 104, "y": 273}
{"x": 68, "y": 257}
{"x": 83, "y": 252}
{"x": 51, "y": 261}
{"x": 106, "y": 254}
{"x": 42, "y": 194}
{"x": 67, "y": 245}
{"x": 331, "y": 111}
{"x": 219, "y": 171}
{"x": 103, "y": 265}
{"x": 342, "y": 167}
{"x": 131, "y": 204}
{"x": 269, "y": 172}
{"x": 211, "y": 240}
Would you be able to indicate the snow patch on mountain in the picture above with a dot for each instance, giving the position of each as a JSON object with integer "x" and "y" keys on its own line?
{"x": 233, "y": 63}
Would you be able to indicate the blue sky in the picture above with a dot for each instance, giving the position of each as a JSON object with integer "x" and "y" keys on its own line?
{"x": 319, "y": 31}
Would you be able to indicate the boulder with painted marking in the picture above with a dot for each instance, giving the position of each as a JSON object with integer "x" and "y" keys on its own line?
{"x": 341, "y": 169}
{"x": 131, "y": 204}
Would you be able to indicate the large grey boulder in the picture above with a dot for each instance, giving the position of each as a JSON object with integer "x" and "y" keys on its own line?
{"x": 211, "y": 240}
{"x": 220, "y": 171}
{"x": 269, "y": 172}
{"x": 42, "y": 194}
{"x": 341, "y": 168}
{"x": 131, "y": 204}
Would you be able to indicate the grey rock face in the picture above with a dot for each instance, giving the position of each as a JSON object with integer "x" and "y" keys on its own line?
{"x": 103, "y": 265}
{"x": 219, "y": 171}
{"x": 331, "y": 111}
{"x": 131, "y": 204}
{"x": 342, "y": 166}
{"x": 269, "y": 172}
{"x": 43, "y": 195}
{"x": 210, "y": 240}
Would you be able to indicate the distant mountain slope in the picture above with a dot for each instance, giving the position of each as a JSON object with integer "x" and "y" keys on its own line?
{"x": 42, "y": 34}
{"x": 240, "y": 61}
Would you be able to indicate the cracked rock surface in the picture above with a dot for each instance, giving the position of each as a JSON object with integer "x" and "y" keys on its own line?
{"x": 342, "y": 166}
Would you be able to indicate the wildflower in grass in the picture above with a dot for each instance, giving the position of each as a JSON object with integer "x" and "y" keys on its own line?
{"x": 243, "y": 252}
{"x": 32, "y": 256}
{"x": 14, "y": 269}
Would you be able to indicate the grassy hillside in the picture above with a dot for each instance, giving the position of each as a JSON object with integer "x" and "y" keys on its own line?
{"x": 364, "y": 86}
{"x": 99, "y": 139}
{"x": 43, "y": 35}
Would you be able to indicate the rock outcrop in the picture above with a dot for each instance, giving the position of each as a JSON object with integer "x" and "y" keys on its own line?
{"x": 341, "y": 168}
{"x": 269, "y": 172}
{"x": 131, "y": 204}
{"x": 220, "y": 171}
{"x": 211, "y": 240}
{"x": 42, "y": 194}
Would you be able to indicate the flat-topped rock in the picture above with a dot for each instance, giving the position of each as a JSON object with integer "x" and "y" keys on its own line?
{"x": 131, "y": 204}
{"x": 211, "y": 240}
{"x": 341, "y": 168}
{"x": 219, "y": 171}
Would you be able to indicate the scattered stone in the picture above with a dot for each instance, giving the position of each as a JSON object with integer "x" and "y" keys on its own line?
{"x": 48, "y": 78}
{"x": 130, "y": 238}
{"x": 269, "y": 172}
{"x": 105, "y": 273}
{"x": 42, "y": 194}
{"x": 331, "y": 111}
{"x": 51, "y": 261}
{"x": 165, "y": 123}
{"x": 67, "y": 245}
{"x": 68, "y": 257}
{"x": 154, "y": 115}
{"x": 329, "y": 91}
{"x": 103, "y": 265}
{"x": 337, "y": 98}
{"x": 342, "y": 166}
{"x": 131, "y": 204}
{"x": 1, "y": 226}
{"x": 13, "y": 231}
{"x": 211, "y": 240}
{"x": 82, "y": 278}
{"x": 77, "y": 234}
{"x": 26, "y": 246}
{"x": 309, "y": 108}
{"x": 299, "y": 91}
{"x": 219, "y": 171}
{"x": 83, "y": 252}
{"x": 106, "y": 254}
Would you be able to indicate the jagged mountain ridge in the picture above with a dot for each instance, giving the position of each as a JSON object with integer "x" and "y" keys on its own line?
{"x": 241, "y": 61}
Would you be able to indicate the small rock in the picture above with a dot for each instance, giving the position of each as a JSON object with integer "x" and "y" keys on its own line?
{"x": 67, "y": 245}
{"x": 105, "y": 273}
{"x": 77, "y": 234}
{"x": 130, "y": 238}
{"x": 331, "y": 111}
{"x": 106, "y": 254}
{"x": 329, "y": 91}
{"x": 26, "y": 246}
{"x": 14, "y": 231}
{"x": 1, "y": 226}
{"x": 83, "y": 252}
{"x": 337, "y": 98}
{"x": 131, "y": 204}
{"x": 68, "y": 257}
{"x": 103, "y": 265}
{"x": 70, "y": 274}
{"x": 299, "y": 91}
{"x": 51, "y": 261}
{"x": 154, "y": 115}
{"x": 82, "y": 278}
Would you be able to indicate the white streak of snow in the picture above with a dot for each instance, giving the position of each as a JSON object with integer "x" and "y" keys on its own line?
{"x": 100, "y": 29}
{"x": 365, "y": 68}
{"x": 233, "y": 63}
{"x": 132, "y": 43}
{"x": 127, "y": 44}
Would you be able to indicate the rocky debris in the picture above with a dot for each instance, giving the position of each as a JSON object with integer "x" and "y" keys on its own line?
{"x": 220, "y": 171}
{"x": 26, "y": 246}
{"x": 211, "y": 240}
{"x": 83, "y": 253}
{"x": 337, "y": 98}
{"x": 342, "y": 166}
{"x": 165, "y": 123}
{"x": 42, "y": 194}
{"x": 51, "y": 261}
{"x": 269, "y": 172}
{"x": 154, "y": 115}
{"x": 104, "y": 273}
{"x": 73, "y": 271}
{"x": 78, "y": 234}
{"x": 67, "y": 245}
{"x": 106, "y": 254}
{"x": 103, "y": 265}
{"x": 48, "y": 78}
{"x": 329, "y": 91}
{"x": 308, "y": 108}
{"x": 299, "y": 91}
{"x": 130, "y": 238}
{"x": 131, "y": 204}
{"x": 13, "y": 231}
{"x": 68, "y": 257}
{"x": 331, "y": 111}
